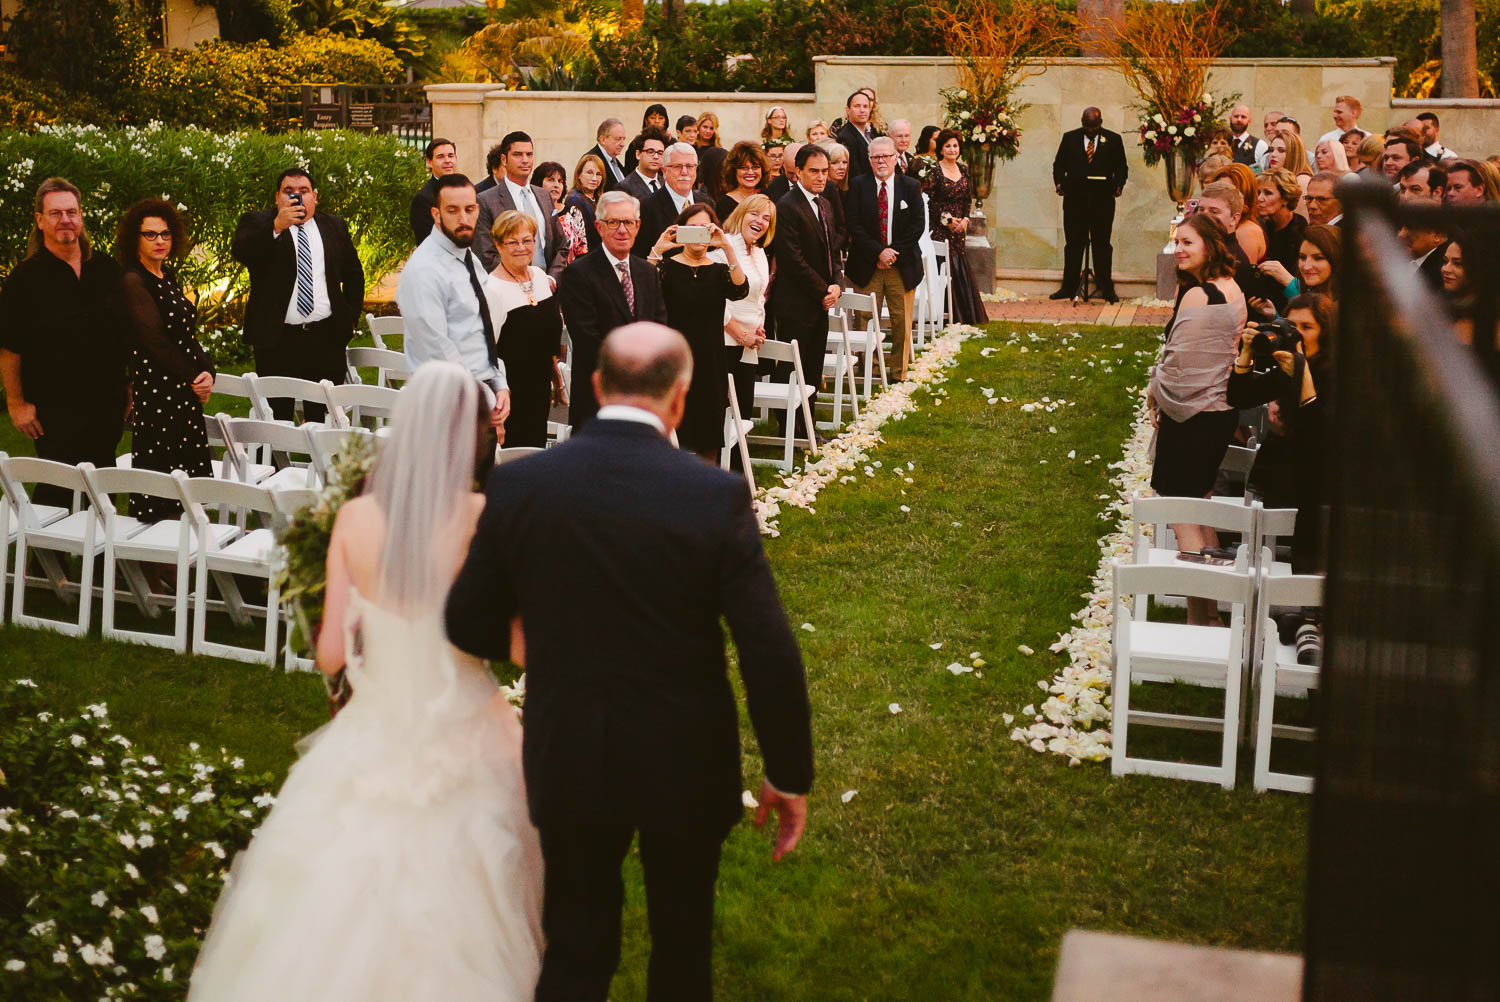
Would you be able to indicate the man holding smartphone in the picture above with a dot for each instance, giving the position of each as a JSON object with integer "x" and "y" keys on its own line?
{"x": 306, "y": 287}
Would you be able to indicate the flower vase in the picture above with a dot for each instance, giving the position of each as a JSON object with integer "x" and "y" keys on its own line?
{"x": 1179, "y": 164}
{"x": 981, "y": 162}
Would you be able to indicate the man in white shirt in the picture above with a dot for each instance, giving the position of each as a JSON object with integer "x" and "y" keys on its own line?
{"x": 1346, "y": 111}
{"x": 857, "y": 131}
{"x": 901, "y": 136}
{"x": 442, "y": 299}
{"x": 1246, "y": 148}
{"x": 886, "y": 220}
{"x": 662, "y": 208}
{"x": 515, "y": 191}
{"x": 646, "y": 179}
{"x": 1429, "y": 122}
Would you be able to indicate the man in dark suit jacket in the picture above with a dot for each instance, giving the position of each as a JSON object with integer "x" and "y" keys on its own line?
{"x": 646, "y": 180}
{"x": 631, "y": 723}
{"x": 886, "y": 219}
{"x": 442, "y": 160}
{"x": 1089, "y": 173}
{"x": 610, "y": 143}
{"x": 662, "y": 208}
{"x": 594, "y": 298}
{"x": 299, "y": 319}
{"x": 517, "y": 192}
{"x": 492, "y": 171}
{"x": 807, "y": 270}
{"x": 857, "y": 132}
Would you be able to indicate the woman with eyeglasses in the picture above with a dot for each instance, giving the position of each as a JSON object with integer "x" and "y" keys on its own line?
{"x": 171, "y": 374}
{"x": 525, "y": 314}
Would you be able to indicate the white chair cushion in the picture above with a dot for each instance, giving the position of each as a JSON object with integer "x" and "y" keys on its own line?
{"x": 1179, "y": 642}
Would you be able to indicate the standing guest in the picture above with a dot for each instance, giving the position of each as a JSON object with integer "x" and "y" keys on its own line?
{"x": 1244, "y": 147}
{"x": 1423, "y": 183}
{"x": 494, "y": 173}
{"x": 1330, "y": 156}
{"x": 171, "y": 374}
{"x": 604, "y": 290}
{"x": 711, "y": 153}
{"x": 306, "y": 287}
{"x": 442, "y": 159}
{"x": 857, "y": 131}
{"x": 1287, "y": 151}
{"x": 517, "y": 192}
{"x": 1346, "y": 112}
{"x": 817, "y": 131}
{"x": 708, "y": 130}
{"x": 1323, "y": 205}
{"x": 1209, "y": 168}
{"x": 775, "y": 155}
{"x": 1220, "y": 144}
{"x": 782, "y": 183}
{"x": 1089, "y": 172}
{"x": 551, "y": 177}
{"x": 1399, "y": 152}
{"x": 1468, "y": 184}
{"x": 1459, "y": 286}
{"x": 654, "y": 120}
{"x": 776, "y": 125}
{"x": 876, "y": 121}
{"x": 1430, "y": 144}
{"x": 948, "y": 211}
{"x": 687, "y": 130}
{"x": 528, "y": 329}
{"x": 578, "y": 210}
{"x": 807, "y": 268}
{"x": 1317, "y": 265}
{"x": 609, "y": 143}
{"x": 748, "y": 229}
{"x": 658, "y": 212}
{"x": 838, "y": 185}
{"x": 1277, "y": 195}
{"x": 445, "y": 303}
{"x": 646, "y": 180}
{"x": 1268, "y": 129}
{"x": 631, "y": 722}
{"x": 901, "y": 136}
{"x": 927, "y": 142}
{"x": 696, "y": 288}
{"x": 1187, "y": 398}
{"x": 63, "y": 343}
{"x": 1290, "y": 124}
{"x": 1351, "y": 142}
{"x": 1371, "y": 153}
{"x": 744, "y": 174}
{"x": 1427, "y": 249}
{"x": 886, "y": 220}
{"x": 1248, "y": 234}
{"x": 1223, "y": 202}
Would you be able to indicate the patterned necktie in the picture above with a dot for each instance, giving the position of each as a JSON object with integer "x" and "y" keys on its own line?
{"x": 885, "y": 212}
{"x": 304, "y": 274}
{"x": 1090, "y": 153}
{"x": 484, "y": 309}
{"x": 623, "y": 268}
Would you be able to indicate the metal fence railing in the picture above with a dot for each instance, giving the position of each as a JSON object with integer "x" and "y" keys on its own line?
{"x": 1405, "y": 844}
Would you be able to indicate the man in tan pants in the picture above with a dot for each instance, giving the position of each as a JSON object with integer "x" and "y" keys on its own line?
{"x": 885, "y": 220}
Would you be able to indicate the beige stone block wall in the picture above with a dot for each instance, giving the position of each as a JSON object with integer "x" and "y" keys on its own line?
{"x": 1469, "y": 127}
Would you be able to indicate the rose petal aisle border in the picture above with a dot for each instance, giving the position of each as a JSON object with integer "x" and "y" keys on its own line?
{"x": 1074, "y": 719}
{"x": 852, "y": 446}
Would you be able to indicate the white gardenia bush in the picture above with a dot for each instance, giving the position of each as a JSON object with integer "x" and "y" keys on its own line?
{"x": 110, "y": 860}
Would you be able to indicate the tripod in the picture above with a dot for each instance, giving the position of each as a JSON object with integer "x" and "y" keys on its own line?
{"x": 1086, "y": 284}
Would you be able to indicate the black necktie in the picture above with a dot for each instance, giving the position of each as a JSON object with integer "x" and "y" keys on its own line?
{"x": 827, "y": 235}
{"x": 484, "y": 309}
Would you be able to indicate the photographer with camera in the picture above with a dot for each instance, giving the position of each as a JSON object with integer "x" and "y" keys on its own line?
{"x": 1289, "y": 362}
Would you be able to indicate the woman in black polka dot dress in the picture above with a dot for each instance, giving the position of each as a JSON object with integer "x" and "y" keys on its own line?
{"x": 171, "y": 374}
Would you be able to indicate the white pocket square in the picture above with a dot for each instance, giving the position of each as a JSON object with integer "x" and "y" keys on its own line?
{"x": 903, "y": 203}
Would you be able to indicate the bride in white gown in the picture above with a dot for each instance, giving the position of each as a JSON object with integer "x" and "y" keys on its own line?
{"x": 399, "y": 862}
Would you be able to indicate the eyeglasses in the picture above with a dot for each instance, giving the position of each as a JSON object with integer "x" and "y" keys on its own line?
{"x": 154, "y": 235}
{"x": 616, "y": 224}
{"x": 882, "y": 156}
{"x": 652, "y": 153}
{"x": 527, "y": 242}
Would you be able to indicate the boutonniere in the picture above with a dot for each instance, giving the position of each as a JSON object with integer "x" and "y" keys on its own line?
{"x": 1102, "y": 140}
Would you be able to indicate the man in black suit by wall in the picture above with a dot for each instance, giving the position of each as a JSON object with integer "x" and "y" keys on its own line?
{"x": 621, "y": 555}
{"x": 886, "y": 218}
{"x": 662, "y": 209}
{"x": 856, "y": 132}
{"x": 609, "y": 144}
{"x": 306, "y": 287}
{"x": 442, "y": 160}
{"x": 515, "y": 191}
{"x": 605, "y": 289}
{"x": 494, "y": 170}
{"x": 1089, "y": 172}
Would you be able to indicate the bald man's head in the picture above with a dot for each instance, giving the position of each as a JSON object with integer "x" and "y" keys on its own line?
{"x": 1093, "y": 120}
{"x": 643, "y": 362}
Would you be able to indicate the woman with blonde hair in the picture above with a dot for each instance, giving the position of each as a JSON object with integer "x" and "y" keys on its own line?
{"x": 711, "y": 154}
{"x": 748, "y": 230}
{"x": 817, "y": 131}
{"x": 1287, "y": 151}
{"x": 1330, "y": 156}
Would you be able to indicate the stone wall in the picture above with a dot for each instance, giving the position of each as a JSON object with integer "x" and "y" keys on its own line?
{"x": 1469, "y": 126}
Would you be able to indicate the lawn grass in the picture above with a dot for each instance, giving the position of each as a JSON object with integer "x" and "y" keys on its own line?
{"x": 964, "y": 857}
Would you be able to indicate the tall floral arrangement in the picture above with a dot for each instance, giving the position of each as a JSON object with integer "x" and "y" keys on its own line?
{"x": 1164, "y": 52}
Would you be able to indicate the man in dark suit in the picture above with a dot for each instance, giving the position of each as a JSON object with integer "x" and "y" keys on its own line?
{"x": 646, "y": 179}
{"x": 631, "y": 723}
{"x": 609, "y": 144}
{"x": 1089, "y": 172}
{"x": 856, "y": 132}
{"x": 782, "y": 183}
{"x": 886, "y": 218}
{"x": 662, "y": 209}
{"x": 306, "y": 287}
{"x": 493, "y": 171}
{"x": 807, "y": 269}
{"x": 1427, "y": 249}
{"x": 442, "y": 159}
{"x": 603, "y": 290}
{"x": 515, "y": 191}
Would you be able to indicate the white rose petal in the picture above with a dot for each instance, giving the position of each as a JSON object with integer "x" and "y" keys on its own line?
{"x": 156, "y": 947}
{"x": 895, "y": 708}
{"x": 1025, "y": 650}
{"x": 15, "y": 965}
{"x": 748, "y": 799}
{"x": 99, "y": 899}
{"x": 848, "y": 795}
{"x": 150, "y": 912}
{"x": 809, "y": 628}
{"x": 959, "y": 669}
{"x": 937, "y": 646}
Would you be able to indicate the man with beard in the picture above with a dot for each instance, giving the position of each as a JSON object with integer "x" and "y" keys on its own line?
{"x": 442, "y": 297}
{"x": 1246, "y": 148}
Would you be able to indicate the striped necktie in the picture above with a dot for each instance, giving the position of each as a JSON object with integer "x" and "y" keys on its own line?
{"x": 304, "y": 274}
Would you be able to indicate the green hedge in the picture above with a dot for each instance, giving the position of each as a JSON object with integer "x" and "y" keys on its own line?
{"x": 214, "y": 178}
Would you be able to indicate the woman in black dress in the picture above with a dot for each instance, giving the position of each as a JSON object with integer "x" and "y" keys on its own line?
{"x": 695, "y": 289}
{"x": 524, "y": 312}
{"x": 578, "y": 209}
{"x": 948, "y": 210}
{"x": 745, "y": 173}
{"x": 171, "y": 374}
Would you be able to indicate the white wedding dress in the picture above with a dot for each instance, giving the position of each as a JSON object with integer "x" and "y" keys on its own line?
{"x": 399, "y": 862}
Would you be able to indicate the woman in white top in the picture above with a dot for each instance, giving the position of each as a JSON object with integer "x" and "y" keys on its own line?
{"x": 528, "y": 324}
{"x": 749, "y": 229}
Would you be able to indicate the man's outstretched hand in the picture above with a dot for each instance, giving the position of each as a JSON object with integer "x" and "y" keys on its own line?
{"x": 791, "y": 816}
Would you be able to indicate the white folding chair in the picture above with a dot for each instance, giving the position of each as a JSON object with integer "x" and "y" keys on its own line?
{"x": 388, "y": 365}
{"x": 74, "y": 534}
{"x": 1272, "y": 525}
{"x": 220, "y": 557}
{"x": 230, "y": 385}
{"x": 351, "y": 403}
{"x": 838, "y": 364}
{"x": 1236, "y": 466}
{"x": 1281, "y": 675}
{"x": 557, "y": 432}
{"x": 276, "y": 443}
{"x": 385, "y": 327}
{"x": 864, "y": 340}
{"x": 129, "y": 542}
{"x": 10, "y": 521}
{"x": 328, "y": 444}
{"x": 790, "y": 396}
{"x": 942, "y": 288}
{"x": 265, "y": 389}
{"x": 1210, "y": 656}
{"x": 510, "y": 455}
{"x": 1222, "y": 514}
{"x": 736, "y": 432}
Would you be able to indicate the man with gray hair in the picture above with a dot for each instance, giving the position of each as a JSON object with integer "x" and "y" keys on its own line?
{"x": 900, "y": 134}
{"x": 886, "y": 220}
{"x": 610, "y": 143}
{"x": 605, "y": 289}
{"x": 680, "y": 168}
{"x": 621, "y": 556}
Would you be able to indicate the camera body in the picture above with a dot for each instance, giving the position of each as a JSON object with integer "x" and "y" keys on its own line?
{"x": 1272, "y": 336}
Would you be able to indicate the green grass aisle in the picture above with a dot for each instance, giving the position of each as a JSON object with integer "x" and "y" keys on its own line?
{"x": 963, "y": 857}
